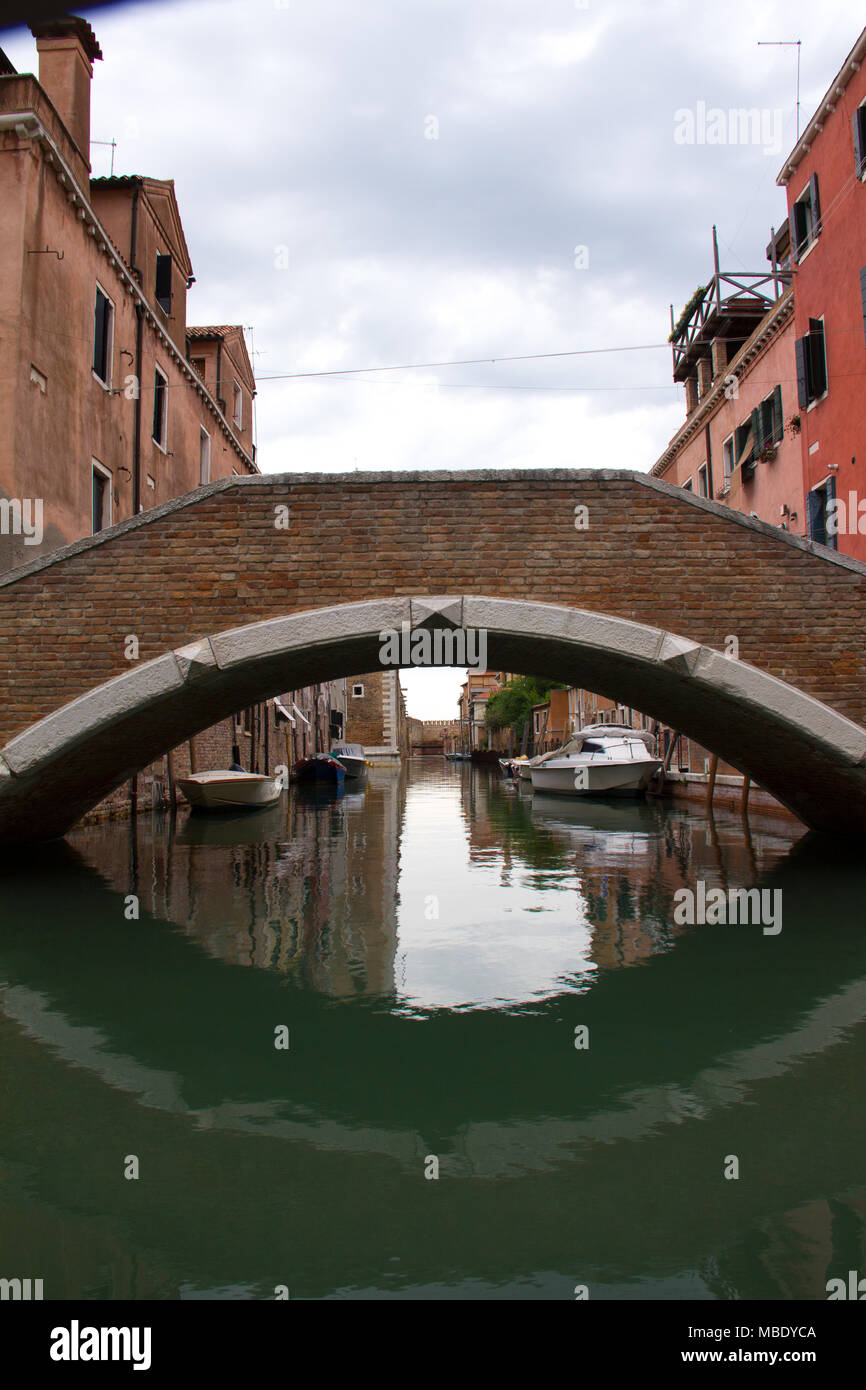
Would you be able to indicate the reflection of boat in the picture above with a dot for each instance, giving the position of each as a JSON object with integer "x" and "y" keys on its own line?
{"x": 457, "y": 757}
{"x": 602, "y": 759}
{"x": 351, "y": 755}
{"x": 220, "y": 791}
{"x": 229, "y": 829}
{"x": 321, "y": 767}
{"x": 614, "y": 815}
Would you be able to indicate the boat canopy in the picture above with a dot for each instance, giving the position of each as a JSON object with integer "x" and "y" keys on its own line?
{"x": 595, "y": 732}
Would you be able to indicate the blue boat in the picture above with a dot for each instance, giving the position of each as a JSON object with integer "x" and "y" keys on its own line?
{"x": 321, "y": 767}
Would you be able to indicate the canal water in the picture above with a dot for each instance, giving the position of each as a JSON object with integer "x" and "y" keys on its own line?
{"x": 468, "y": 980}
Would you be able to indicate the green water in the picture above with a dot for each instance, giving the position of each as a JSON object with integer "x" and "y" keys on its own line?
{"x": 430, "y": 942}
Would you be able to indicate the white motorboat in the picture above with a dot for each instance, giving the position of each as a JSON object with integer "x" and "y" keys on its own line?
{"x": 222, "y": 791}
{"x": 351, "y": 755}
{"x": 601, "y": 760}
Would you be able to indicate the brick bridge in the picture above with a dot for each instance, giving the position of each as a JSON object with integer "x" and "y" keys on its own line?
{"x": 232, "y": 598}
{"x": 431, "y": 735}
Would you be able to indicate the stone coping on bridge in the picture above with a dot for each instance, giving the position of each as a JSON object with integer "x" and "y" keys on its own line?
{"x": 118, "y": 725}
{"x": 435, "y": 476}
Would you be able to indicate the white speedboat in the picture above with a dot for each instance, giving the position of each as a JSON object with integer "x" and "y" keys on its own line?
{"x": 221, "y": 791}
{"x": 351, "y": 755}
{"x": 601, "y": 760}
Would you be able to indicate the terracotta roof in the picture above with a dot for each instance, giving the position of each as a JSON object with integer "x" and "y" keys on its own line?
{"x": 219, "y": 330}
{"x": 117, "y": 180}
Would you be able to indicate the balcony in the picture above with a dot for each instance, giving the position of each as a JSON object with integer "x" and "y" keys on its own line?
{"x": 730, "y": 309}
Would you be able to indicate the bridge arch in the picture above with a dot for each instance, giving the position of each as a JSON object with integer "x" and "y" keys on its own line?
{"x": 807, "y": 754}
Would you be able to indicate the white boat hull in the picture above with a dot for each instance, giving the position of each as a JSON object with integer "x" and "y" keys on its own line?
{"x": 577, "y": 778}
{"x": 217, "y": 791}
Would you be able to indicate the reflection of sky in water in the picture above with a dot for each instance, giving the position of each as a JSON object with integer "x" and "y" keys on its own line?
{"x": 505, "y": 933}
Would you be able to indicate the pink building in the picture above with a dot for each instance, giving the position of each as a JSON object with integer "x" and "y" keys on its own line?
{"x": 105, "y": 414}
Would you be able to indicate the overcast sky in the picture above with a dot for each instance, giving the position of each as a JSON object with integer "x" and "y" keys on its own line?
{"x": 388, "y": 183}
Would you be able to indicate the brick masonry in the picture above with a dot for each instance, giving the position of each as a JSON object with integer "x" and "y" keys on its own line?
{"x": 216, "y": 560}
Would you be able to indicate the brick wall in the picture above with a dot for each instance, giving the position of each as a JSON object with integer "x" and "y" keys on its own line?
{"x": 648, "y": 554}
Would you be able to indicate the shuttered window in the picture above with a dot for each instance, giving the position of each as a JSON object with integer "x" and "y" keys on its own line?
{"x": 160, "y": 385}
{"x": 811, "y": 358}
{"x": 860, "y": 140}
{"x": 806, "y": 219}
{"x": 817, "y": 504}
{"x": 102, "y": 325}
{"x": 163, "y": 283}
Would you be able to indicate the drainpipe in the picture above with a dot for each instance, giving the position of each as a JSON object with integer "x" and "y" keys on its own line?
{"x": 136, "y": 433}
{"x": 139, "y": 333}
{"x": 712, "y": 491}
{"x": 219, "y": 390}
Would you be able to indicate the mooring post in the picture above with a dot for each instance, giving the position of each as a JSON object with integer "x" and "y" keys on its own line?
{"x": 714, "y": 763}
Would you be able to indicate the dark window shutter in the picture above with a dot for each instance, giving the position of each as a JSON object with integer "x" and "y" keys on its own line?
{"x": 757, "y": 432}
{"x": 798, "y": 217}
{"x": 817, "y": 359}
{"x": 778, "y": 425}
{"x": 802, "y": 377}
{"x": 830, "y": 495}
{"x": 863, "y": 296}
{"x": 858, "y": 142}
{"x": 816, "y": 204}
{"x": 100, "y": 336}
{"x": 815, "y": 512}
{"x": 163, "y": 282}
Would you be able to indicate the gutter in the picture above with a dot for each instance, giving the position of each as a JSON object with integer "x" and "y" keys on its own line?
{"x": 27, "y": 126}
{"x": 826, "y": 106}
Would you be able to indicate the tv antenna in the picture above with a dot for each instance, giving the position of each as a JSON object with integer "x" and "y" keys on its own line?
{"x": 113, "y": 144}
{"x": 787, "y": 43}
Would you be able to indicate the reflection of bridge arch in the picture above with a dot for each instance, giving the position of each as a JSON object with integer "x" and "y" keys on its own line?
{"x": 652, "y": 1112}
{"x": 805, "y": 753}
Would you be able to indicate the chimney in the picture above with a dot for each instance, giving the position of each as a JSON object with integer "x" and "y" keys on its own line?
{"x": 67, "y": 47}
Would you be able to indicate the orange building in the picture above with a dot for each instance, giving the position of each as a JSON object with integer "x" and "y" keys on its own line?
{"x": 105, "y": 415}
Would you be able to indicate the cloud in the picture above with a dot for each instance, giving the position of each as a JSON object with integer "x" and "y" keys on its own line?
{"x": 431, "y": 169}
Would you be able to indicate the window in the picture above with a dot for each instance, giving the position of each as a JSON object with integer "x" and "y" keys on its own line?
{"x": 103, "y": 321}
{"x": 357, "y": 690}
{"x": 101, "y": 497}
{"x": 806, "y": 218}
{"x": 767, "y": 421}
{"x": 703, "y": 481}
{"x": 728, "y": 459}
{"x": 238, "y": 410}
{"x": 162, "y": 289}
{"x": 204, "y": 456}
{"x": 688, "y": 485}
{"x": 811, "y": 358}
{"x": 744, "y": 447}
{"x": 817, "y": 509}
{"x": 860, "y": 141}
{"x": 160, "y": 392}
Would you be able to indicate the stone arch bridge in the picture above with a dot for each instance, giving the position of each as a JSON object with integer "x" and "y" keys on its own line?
{"x": 610, "y": 580}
